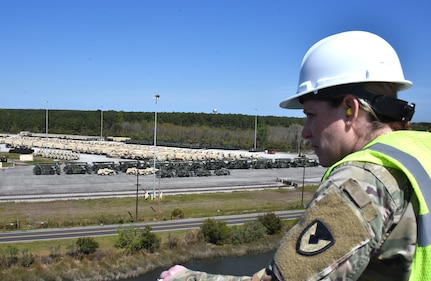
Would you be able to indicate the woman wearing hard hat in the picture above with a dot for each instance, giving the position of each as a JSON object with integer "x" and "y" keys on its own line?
{"x": 369, "y": 219}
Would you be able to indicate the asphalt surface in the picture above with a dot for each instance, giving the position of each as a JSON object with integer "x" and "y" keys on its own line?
{"x": 19, "y": 182}
{"x": 105, "y": 230}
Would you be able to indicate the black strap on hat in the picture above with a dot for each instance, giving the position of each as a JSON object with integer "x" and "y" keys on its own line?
{"x": 390, "y": 108}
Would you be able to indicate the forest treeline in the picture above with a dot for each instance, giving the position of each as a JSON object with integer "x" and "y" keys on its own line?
{"x": 228, "y": 130}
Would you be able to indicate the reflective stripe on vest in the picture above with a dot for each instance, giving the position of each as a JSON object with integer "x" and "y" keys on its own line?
{"x": 409, "y": 152}
{"x": 423, "y": 180}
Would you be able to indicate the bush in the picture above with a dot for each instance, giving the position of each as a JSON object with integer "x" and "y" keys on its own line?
{"x": 177, "y": 214}
{"x": 172, "y": 241}
{"x": 237, "y": 234}
{"x": 253, "y": 230}
{"x": 247, "y": 233}
{"x": 191, "y": 237}
{"x": 134, "y": 240}
{"x": 215, "y": 232}
{"x": 86, "y": 245}
{"x": 8, "y": 256}
{"x": 72, "y": 250}
{"x": 271, "y": 222}
{"x": 27, "y": 259}
{"x": 54, "y": 252}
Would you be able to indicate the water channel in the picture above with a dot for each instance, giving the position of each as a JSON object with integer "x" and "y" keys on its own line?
{"x": 239, "y": 266}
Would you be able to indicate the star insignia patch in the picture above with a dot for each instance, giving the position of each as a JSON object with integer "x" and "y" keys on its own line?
{"x": 314, "y": 239}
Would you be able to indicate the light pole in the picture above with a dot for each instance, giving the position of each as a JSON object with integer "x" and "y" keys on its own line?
{"x": 255, "y": 130}
{"x": 46, "y": 128}
{"x": 101, "y": 124}
{"x": 303, "y": 182}
{"x": 137, "y": 193}
{"x": 156, "y": 98}
{"x": 304, "y": 160}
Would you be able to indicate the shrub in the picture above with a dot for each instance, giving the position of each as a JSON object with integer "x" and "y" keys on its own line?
{"x": 271, "y": 222}
{"x": 247, "y": 233}
{"x": 134, "y": 240}
{"x": 215, "y": 232}
{"x": 237, "y": 234}
{"x": 27, "y": 259}
{"x": 177, "y": 214}
{"x": 172, "y": 241}
{"x": 192, "y": 236}
{"x": 253, "y": 230}
{"x": 72, "y": 250}
{"x": 54, "y": 252}
{"x": 86, "y": 245}
{"x": 8, "y": 256}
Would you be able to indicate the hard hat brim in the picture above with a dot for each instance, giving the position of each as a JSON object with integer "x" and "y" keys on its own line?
{"x": 293, "y": 102}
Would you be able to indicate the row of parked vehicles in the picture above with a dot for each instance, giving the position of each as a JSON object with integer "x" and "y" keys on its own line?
{"x": 166, "y": 169}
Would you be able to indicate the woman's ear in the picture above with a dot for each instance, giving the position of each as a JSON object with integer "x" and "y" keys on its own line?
{"x": 351, "y": 106}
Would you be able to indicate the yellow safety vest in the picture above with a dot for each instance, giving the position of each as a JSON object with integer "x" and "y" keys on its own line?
{"x": 410, "y": 152}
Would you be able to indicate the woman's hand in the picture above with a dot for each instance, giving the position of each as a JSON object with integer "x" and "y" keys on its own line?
{"x": 261, "y": 276}
{"x": 168, "y": 274}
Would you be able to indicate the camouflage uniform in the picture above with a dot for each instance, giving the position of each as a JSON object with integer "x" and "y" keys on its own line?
{"x": 360, "y": 225}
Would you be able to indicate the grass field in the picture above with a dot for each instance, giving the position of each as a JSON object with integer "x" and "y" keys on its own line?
{"x": 69, "y": 213}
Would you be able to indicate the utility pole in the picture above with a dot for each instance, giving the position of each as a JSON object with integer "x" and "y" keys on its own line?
{"x": 46, "y": 128}
{"x": 137, "y": 194}
{"x": 101, "y": 124}
{"x": 255, "y": 131}
{"x": 156, "y": 98}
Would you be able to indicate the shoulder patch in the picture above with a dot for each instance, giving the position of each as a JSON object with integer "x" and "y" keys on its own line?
{"x": 329, "y": 231}
{"x": 315, "y": 239}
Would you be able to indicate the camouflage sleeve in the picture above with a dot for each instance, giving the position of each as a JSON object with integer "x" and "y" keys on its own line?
{"x": 191, "y": 275}
{"x": 344, "y": 225}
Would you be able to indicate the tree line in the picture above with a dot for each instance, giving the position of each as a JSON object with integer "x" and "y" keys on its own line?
{"x": 224, "y": 130}
{"x": 228, "y": 130}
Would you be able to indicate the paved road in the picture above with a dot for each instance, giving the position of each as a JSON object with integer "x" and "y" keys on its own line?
{"x": 68, "y": 233}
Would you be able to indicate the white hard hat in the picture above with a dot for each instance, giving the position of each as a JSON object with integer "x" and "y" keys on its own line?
{"x": 346, "y": 58}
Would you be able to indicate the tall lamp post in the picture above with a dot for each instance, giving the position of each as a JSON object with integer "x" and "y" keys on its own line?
{"x": 304, "y": 160}
{"x": 156, "y": 98}
{"x": 255, "y": 130}
{"x": 137, "y": 194}
{"x": 101, "y": 124}
{"x": 46, "y": 128}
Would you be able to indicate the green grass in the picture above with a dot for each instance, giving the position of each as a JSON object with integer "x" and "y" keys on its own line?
{"x": 70, "y": 213}
{"x": 14, "y": 157}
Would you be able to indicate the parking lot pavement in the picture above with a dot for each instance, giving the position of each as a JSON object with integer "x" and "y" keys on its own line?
{"x": 22, "y": 181}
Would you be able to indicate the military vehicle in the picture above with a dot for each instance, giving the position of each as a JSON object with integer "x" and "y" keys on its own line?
{"x": 21, "y": 150}
{"x": 104, "y": 165}
{"x": 184, "y": 169}
{"x": 202, "y": 172}
{"x": 166, "y": 172}
{"x": 76, "y": 168}
{"x": 105, "y": 172}
{"x": 304, "y": 162}
{"x": 222, "y": 172}
{"x": 124, "y": 165}
{"x": 47, "y": 168}
{"x": 215, "y": 164}
{"x": 282, "y": 163}
{"x": 262, "y": 164}
{"x": 238, "y": 164}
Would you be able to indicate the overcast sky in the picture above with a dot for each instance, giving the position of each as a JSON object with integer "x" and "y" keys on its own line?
{"x": 235, "y": 56}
